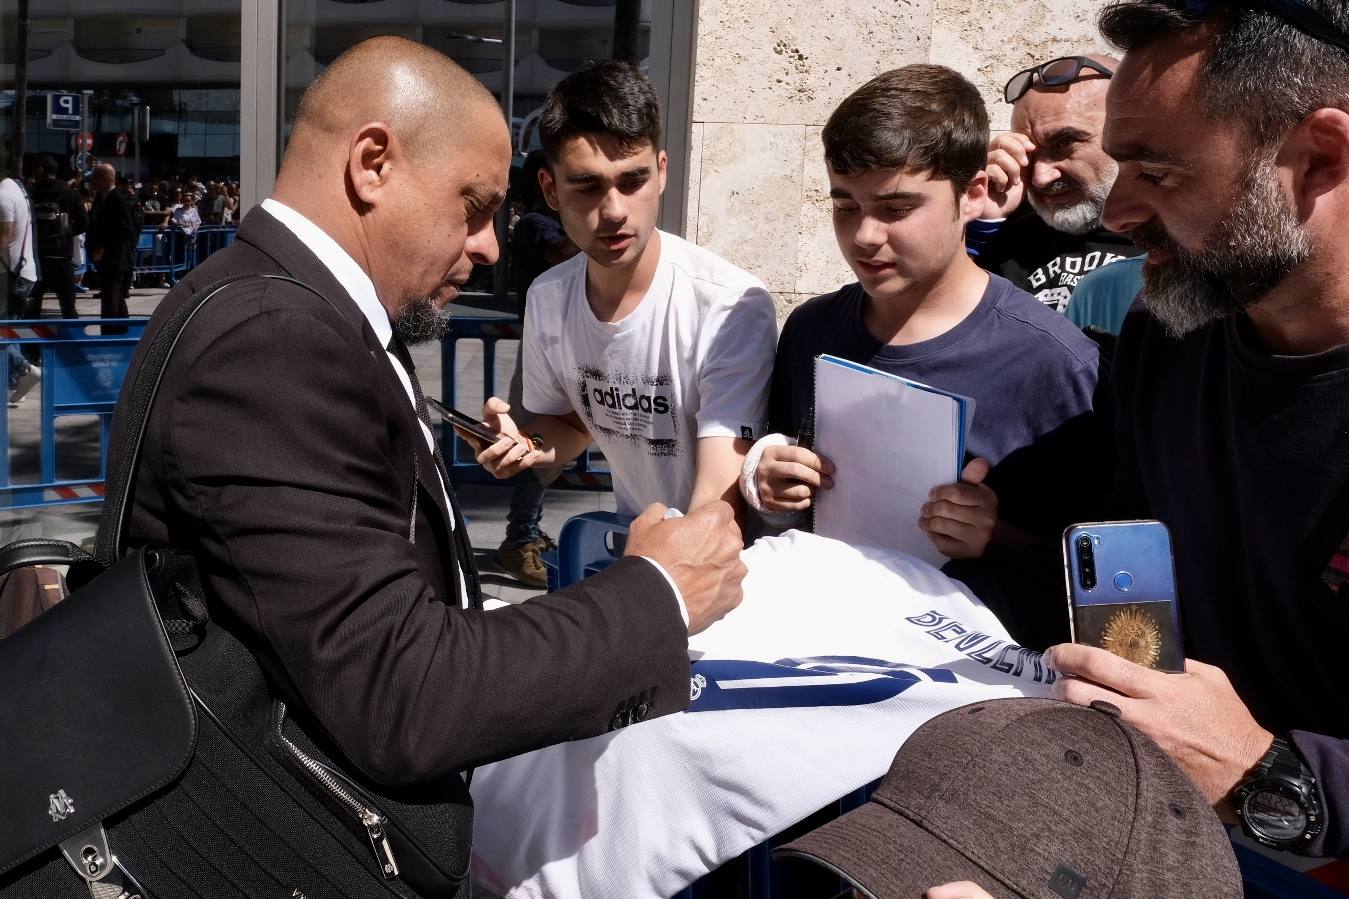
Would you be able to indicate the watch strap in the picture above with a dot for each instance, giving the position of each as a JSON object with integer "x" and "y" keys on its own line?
{"x": 1283, "y": 761}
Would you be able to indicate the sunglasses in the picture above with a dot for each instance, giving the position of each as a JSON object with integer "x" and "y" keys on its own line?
{"x": 1295, "y": 12}
{"x": 1064, "y": 70}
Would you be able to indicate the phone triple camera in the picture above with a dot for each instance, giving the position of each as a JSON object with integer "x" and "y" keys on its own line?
{"x": 1086, "y": 562}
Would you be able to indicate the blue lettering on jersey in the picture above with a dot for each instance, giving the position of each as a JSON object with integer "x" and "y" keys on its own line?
{"x": 806, "y": 682}
{"x": 1011, "y": 659}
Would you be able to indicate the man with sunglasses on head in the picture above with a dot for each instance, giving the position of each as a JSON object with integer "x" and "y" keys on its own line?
{"x": 1040, "y": 226}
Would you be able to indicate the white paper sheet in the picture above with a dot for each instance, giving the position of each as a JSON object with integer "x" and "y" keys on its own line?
{"x": 891, "y": 441}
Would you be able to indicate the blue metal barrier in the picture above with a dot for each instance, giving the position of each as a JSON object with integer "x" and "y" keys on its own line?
{"x": 82, "y": 373}
{"x": 171, "y": 252}
{"x": 158, "y": 252}
{"x": 209, "y": 238}
{"x": 491, "y": 327}
{"x": 585, "y": 546}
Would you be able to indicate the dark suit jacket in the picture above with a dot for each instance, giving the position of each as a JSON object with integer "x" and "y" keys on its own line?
{"x": 280, "y": 452}
{"x": 112, "y": 229}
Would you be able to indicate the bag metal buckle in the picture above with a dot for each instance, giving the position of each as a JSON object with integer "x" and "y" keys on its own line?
{"x": 88, "y": 853}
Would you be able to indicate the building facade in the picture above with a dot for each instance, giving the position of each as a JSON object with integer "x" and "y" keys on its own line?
{"x": 746, "y": 86}
{"x": 769, "y": 72}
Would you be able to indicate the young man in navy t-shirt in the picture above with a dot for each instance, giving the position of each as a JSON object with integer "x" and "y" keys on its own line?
{"x": 905, "y": 155}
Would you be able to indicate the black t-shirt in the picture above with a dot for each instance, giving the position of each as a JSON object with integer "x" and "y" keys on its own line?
{"x": 1245, "y": 456}
{"x": 1041, "y": 261}
{"x": 1031, "y": 373}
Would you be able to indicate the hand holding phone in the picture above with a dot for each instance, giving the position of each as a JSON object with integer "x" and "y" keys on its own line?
{"x": 503, "y": 451}
{"x": 465, "y": 423}
{"x": 1122, "y": 591}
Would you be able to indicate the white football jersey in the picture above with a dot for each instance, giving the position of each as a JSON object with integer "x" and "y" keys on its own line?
{"x": 799, "y": 696}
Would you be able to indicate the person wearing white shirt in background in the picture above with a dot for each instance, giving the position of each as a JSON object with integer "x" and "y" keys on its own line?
{"x": 18, "y": 273}
{"x": 17, "y": 261}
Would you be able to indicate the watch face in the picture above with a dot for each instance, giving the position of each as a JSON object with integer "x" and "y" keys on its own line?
{"x": 1275, "y": 815}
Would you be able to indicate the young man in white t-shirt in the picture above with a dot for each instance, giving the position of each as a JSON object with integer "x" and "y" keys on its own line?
{"x": 656, "y": 349}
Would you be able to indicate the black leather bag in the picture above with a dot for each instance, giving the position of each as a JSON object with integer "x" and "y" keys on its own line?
{"x": 147, "y": 753}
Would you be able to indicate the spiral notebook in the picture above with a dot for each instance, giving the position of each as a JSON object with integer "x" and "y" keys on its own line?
{"x": 891, "y": 441}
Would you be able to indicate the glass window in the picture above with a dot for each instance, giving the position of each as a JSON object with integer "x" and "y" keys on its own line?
{"x": 551, "y": 38}
{"x": 179, "y": 60}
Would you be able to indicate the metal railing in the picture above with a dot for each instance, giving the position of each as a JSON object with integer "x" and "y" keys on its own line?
{"x": 82, "y": 372}
{"x": 171, "y": 252}
{"x": 83, "y": 369}
{"x": 491, "y": 328}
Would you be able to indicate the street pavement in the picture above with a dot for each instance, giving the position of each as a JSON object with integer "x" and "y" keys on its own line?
{"x": 484, "y": 505}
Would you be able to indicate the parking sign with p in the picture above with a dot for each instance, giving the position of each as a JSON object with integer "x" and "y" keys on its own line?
{"x": 63, "y": 111}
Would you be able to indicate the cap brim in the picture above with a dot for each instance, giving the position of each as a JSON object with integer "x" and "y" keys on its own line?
{"x": 888, "y": 855}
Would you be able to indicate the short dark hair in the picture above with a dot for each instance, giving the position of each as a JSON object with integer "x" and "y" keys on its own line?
{"x": 921, "y": 118}
{"x": 48, "y": 164}
{"x": 611, "y": 98}
{"x": 1260, "y": 70}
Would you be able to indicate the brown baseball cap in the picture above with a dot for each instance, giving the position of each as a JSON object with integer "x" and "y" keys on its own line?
{"x": 1030, "y": 798}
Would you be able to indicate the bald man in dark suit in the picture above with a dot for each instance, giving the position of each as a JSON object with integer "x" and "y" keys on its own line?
{"x": 288, "y": 452}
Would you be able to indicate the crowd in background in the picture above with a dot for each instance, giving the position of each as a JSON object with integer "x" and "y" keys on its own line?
{"x": 53, "y": 227}
{"x": 184, "y": 203}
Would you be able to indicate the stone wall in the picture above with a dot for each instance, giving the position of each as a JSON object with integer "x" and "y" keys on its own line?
{"x": 769, "y": 72}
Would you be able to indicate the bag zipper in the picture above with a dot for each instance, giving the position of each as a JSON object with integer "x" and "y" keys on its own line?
{"x": 369, "y": 816}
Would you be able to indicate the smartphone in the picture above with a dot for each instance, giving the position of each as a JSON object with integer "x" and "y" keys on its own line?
{"x": 1122, "y": 591}
{"x": 463, "y": 422}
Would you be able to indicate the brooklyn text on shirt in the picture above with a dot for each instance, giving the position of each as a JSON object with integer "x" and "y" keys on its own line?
{"x": 1067, "y": 269}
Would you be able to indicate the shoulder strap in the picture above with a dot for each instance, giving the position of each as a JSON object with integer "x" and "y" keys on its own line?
{"x": 27, "y": 228}
{"x": 141, "y": 399}
{"x": 4, "y": 250}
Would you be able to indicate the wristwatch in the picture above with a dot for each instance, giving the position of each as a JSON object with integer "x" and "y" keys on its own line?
{"x": 1278, "y": 805}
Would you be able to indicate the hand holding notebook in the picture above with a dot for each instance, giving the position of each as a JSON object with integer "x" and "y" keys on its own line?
{"x": 891, "y": 441}
{"x": 960, "y": 518}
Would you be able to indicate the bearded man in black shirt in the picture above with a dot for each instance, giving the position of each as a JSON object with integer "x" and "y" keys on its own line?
{"x": 1232, "y": 388}
{"x": 1048, "y": 178}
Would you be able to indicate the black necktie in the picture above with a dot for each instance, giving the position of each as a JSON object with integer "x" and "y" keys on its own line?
{"x": 465, "y": 566}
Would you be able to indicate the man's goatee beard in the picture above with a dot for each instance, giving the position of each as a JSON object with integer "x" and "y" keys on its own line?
{"x": 421, "y": 321}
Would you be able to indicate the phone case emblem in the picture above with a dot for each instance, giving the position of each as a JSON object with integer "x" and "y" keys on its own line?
{"x": 1132, "y": 634}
